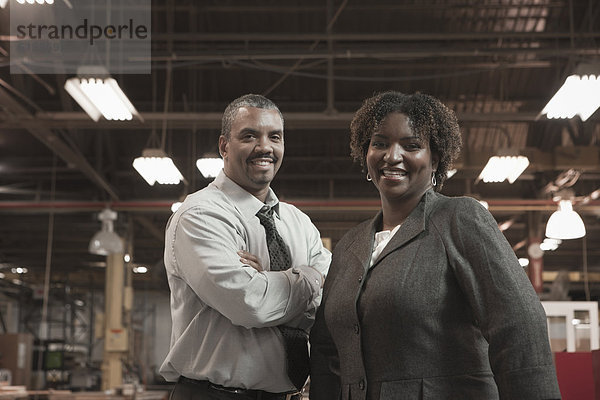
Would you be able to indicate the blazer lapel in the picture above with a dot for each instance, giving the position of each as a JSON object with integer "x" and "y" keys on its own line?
{"x": 412, "y": 226}
{"x": 362, "y": 246}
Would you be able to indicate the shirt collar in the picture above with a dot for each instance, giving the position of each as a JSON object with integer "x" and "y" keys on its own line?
{"x": 246, "y": 203}
{"x": 385, "y": 235}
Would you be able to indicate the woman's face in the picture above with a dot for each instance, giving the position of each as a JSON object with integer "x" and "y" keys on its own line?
{"x": 399, "y": 162}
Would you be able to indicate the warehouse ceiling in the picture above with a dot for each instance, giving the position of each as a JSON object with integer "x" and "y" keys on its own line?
{"x": 495, "y": 62}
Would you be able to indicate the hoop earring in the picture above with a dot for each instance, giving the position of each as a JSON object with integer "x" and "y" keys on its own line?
{"x": 433, "y": 180}
{"x": 369, "y": 177}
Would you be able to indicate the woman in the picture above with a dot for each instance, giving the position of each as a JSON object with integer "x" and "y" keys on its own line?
{"x": 427, "y": 300}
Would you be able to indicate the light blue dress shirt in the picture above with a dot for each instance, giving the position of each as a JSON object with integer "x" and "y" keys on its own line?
{"x": 224, "y": 313}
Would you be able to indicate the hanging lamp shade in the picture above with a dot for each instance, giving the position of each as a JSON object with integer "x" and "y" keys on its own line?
{"x": 106, "y": 241}
{"x": 565, "y": 223}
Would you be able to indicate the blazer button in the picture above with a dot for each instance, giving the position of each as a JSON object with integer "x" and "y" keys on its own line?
{"x": 360, "y": 278}
{"x": 356, "y": 328}
{"x": 361, "y": 384}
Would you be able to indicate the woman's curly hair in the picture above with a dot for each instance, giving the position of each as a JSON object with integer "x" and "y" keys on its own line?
{"x": 427, "y": 116}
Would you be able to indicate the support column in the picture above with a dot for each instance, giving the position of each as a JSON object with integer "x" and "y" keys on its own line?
{"x": 115, "y": 335}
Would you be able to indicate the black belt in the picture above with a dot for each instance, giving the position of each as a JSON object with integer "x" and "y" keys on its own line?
{"x": 243, "y": 393}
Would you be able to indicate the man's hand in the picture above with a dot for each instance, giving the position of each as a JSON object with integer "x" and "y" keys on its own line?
{"x": 249, "y": 259}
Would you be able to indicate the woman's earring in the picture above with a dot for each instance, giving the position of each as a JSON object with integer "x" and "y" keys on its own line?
{"x": 369, "y": 177}
{"x": 433, "y": 180}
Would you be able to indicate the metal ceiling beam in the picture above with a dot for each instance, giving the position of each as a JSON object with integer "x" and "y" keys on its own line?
{"x": 66, "y": 153}
{"x": 320, "y": 65}
{"x": 55, "y": 143}
{"x": 370, "y": 37}
{"x": 370, "y": 51}
{"x": 162, "y": 206}
{"x": 212, "y": 120}
{"x": 396, "y": 6}
{"x": 158, "y": 234}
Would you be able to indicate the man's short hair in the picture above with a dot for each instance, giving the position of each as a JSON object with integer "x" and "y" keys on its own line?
{"x": 247, "y": 100}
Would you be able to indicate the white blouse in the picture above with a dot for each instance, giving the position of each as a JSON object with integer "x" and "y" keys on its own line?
{"x": 381, "y": 240}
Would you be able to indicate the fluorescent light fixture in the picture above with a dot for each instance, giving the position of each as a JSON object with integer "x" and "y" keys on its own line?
{"x": 550, "y": 244}
{"x": 565, "y": 223}
{"x": 4, "y": 2}
{"x": 504, "y": 167}
{"x": 155, "y": 166}
{"x": 210, "y": 165}
{"x": 106, "y": 241}
{"x": 524, "y": 262}
{"x": 579, "y": 95}
{"x": 101, "y": 96}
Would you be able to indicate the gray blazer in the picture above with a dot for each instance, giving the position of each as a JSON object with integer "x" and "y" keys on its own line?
{"x": 445, "y": 312}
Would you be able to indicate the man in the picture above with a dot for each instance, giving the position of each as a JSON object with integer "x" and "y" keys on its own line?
{"x": 233, "y": 302}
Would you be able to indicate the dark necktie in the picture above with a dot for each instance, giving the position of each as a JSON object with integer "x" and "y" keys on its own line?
{"x": 296, "y": 344}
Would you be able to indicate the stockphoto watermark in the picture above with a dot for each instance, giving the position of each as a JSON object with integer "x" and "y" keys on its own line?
{"x": 85, "y": 31}
{"x": 60, "y": 37}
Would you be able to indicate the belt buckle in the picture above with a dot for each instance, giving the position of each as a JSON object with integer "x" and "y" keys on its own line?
{"x": 226, "y": 389}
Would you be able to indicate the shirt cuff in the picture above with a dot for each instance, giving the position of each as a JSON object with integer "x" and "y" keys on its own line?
{"x": 313, "y": 277}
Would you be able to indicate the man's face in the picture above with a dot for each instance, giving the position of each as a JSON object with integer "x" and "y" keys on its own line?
{"x": 253, "y": 152}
